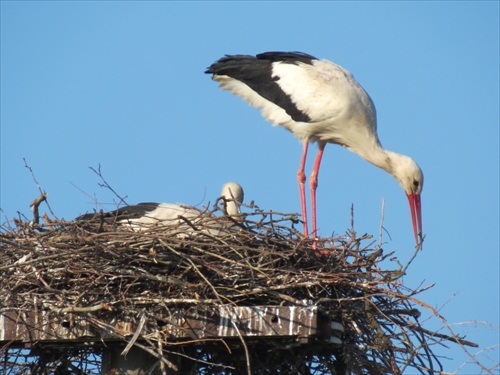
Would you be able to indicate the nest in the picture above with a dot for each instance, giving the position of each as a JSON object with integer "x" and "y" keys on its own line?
{"x": 101, "y": 272}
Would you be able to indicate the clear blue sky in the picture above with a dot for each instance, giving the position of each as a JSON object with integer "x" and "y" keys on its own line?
{"x": 121, "y": 84}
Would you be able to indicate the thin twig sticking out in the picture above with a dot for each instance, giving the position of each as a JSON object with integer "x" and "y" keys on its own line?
{"x": 34, "y": 207}
{"x": 107, "y": 185}
{"x": 40, "y": 190}
{"x": 381, "y": 222}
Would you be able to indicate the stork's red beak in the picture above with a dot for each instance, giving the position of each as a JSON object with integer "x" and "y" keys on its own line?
{"x": 416, "y": 217}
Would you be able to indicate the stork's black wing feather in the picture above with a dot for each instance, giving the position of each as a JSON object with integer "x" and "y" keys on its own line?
{"x": 122, "y": 213}
{"x": 257, "y": 73}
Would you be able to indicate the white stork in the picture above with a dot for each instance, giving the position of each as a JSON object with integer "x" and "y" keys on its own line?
{"x": 171, "y": 215}
{"x": 318, "y": 101}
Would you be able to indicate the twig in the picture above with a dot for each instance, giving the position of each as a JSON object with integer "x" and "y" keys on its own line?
{"x": 42, "y": 192}
{"x": 134, "y": 338}
{"x": 106, "y": 185}
{"x": 381, "y": 223}
{"x": 74, "y": 309}
{"x": 34, "y": 207}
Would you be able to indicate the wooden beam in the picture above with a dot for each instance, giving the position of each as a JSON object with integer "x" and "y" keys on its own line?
{"x": 224, "y": 321}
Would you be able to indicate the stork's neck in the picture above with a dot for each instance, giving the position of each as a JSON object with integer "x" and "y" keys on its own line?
{"x": 401, "y": 167}
{"x": 233, "y": 194}
{"x": 232, "y": 207}
{"x": 379, "y": 156}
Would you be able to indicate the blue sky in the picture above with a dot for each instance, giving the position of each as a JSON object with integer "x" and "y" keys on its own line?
{"x": 121, "y": 84}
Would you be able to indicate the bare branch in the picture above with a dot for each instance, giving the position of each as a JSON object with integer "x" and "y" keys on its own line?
{"x": 106, "y": 185}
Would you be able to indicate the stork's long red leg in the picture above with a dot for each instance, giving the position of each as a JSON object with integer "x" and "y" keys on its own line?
{"x": 301, "y": 176}
{"x": 313, "y": 181}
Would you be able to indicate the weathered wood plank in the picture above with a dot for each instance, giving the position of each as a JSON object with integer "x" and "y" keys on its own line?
{"x": 224, "y": 321}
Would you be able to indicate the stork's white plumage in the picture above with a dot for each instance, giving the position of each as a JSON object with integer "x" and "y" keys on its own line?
{"x": 173, "y": 215}
{"x": 318, "y": 101}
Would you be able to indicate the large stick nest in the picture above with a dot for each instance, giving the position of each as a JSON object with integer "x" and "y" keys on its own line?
{"x": 99, "y": 270}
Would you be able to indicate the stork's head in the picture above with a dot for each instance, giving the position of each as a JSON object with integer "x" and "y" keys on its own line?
{"x": 232, "y": 192}
{"x": 410, "y": 177}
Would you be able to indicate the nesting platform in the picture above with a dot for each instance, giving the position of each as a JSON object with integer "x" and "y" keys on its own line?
{"x": 258, "y": 298}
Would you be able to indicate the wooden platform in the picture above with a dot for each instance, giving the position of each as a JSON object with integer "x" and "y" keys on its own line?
{"x": 226, "y": 321}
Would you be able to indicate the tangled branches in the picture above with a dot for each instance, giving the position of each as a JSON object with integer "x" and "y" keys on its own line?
{"x": 103, "y": 274}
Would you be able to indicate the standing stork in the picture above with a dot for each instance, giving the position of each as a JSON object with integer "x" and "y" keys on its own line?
{"x": 318, "y": 101}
